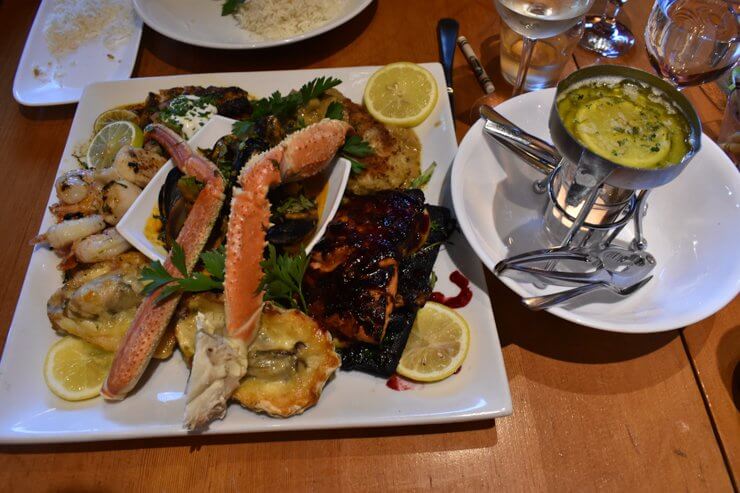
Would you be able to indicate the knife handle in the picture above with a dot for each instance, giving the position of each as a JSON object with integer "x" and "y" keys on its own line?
{"x": 447, "y": 30}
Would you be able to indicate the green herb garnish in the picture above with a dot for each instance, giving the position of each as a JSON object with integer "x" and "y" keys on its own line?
{"x": 283, "y": 276}
{"x": 335, "y": 111}
{"x": 294, "y": 205}
{"x": 355, "y": 147}
{"x": 230, "y": 6}
{"x": 357, "y": 167}
{"x": 156, "y": 276}
{"x": 423, "y": 178}
{"x": 285, "y": 106}
{"x": 242, "y": 128}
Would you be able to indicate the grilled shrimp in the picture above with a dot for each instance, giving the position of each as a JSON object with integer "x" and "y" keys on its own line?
{"x": 99, "y": 247}
{"x": 118, "y": 196}
{"x": 73, "y": 186}
{"x": 67, "y": 232}
{"x": 137, "y": 165}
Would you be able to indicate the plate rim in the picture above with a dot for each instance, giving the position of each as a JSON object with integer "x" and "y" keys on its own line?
{"x": 470, "y": 234}
{"x": 335, "y": 23}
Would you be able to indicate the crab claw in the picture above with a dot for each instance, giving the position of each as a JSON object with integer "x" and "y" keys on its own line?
{"x": 152, "y": 317}
{"x": 219, "y": 359}
{"x": 300, "y": 155}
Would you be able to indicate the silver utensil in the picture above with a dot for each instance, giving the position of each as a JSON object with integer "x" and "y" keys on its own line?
{"x": 619, "y": 269}
{"x": 447, "y": 30}
{"x": 614, "y": 265}
{"x": 548, "y": 300}
{"x": 539, "y": 154}
{"x": 546, "y": 254}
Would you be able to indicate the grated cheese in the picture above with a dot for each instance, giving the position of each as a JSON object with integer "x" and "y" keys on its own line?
{"x": 275, "y": 19}
{"x": 73, "y": 23}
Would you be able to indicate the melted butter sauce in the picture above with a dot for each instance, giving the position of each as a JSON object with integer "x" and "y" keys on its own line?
{"x": 626, "y": 122}
{"x": 153, "y": 227}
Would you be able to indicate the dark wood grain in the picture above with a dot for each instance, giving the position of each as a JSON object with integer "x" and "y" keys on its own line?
{"x": 591, "y": 409}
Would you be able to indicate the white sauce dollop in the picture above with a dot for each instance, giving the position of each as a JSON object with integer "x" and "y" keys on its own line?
{"x": 196, "y": 115}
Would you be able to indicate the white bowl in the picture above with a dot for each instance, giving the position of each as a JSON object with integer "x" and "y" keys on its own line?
{"x": 692, "y": 228}
{"x": 132, "y": 225}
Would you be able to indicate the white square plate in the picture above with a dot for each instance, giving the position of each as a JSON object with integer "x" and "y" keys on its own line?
{"x": 31, "y": 413}
{"x": 60, "y": 82}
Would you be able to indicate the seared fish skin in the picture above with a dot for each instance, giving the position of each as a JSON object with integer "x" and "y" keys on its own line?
{"x": 414, "y": 290}
{"x": 351, "y": 284}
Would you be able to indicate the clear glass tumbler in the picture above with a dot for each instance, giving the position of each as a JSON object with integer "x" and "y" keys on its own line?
{"x": 549, "y": 56}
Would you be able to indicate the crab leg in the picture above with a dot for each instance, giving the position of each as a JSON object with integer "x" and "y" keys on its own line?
{"x": 152, "y": 318}
{"x": 220, "y": 362}
{"x": 300, "y": 155}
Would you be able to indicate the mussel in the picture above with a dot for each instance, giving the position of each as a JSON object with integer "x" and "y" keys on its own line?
{"x": 290, "y": 232}
{"x": 173, "y": 208}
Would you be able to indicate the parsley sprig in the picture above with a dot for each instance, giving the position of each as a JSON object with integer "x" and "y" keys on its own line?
{"x": 230, "y": 6}
{"x": 284, "y": 107}
{"x": 283, "y": 277}
{"x": 156, "y": 276}
{"x": 335, "y": 111}
{"x": 355, "y": 147}
{"x": 294, "y": 205}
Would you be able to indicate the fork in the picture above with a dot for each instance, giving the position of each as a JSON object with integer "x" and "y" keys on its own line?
{"x": 548, "y": 300}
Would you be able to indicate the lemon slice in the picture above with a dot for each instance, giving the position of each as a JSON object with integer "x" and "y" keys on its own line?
{"x": 106, "y": 143}
{"x": 114, "y": 115}
{"x": 74, "y": 369}
{"x": 437, "y": 345}
{"x": 617, "y": 131}
{"x": 401, "y": 94}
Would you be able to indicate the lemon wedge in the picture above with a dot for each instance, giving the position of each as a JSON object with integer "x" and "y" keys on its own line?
{"x": 114, "y": 115}
{"x": 109, "y": 140}
{"x": 74, "y": 369}
{"x": 437, "y": 345}
{"x": 402, "y": 94}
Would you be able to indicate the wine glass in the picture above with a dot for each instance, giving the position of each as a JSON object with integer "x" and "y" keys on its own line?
{"x": 605, "y": 35}
{"x": 536, "y": 19}
{"x": 690, "y": 42}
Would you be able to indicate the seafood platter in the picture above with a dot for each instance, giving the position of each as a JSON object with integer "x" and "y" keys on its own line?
{"x": 310, "y": 272}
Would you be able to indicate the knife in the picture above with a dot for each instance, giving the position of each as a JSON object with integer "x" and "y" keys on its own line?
{"x": 447, "y": 30}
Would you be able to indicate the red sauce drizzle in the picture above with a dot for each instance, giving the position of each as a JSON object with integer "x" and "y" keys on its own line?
{"x": 462, "y": 298}
{"x": 400, "y": 384}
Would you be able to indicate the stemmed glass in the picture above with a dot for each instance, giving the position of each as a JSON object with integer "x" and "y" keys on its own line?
{"x": 537, "y": 19}
{"x": 690, "y": 42}
{"x": 605, "y": 35}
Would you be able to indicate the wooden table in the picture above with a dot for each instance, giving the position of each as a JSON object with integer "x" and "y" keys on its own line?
{"x": 591, "y": 409}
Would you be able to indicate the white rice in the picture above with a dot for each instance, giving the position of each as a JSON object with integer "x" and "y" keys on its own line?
{"x": 73, "y": 23}
{"x": 275, "y": 19}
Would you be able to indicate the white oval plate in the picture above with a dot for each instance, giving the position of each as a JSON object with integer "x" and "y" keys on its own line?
{"x": 692, "y": 228}
{"x": 200, "y": 23}
{"x": 132, "y": 225}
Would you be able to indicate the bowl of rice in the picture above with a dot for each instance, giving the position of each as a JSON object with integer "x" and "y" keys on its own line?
{"x": 245, "y": 24}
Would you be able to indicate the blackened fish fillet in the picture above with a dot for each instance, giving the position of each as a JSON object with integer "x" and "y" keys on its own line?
{"x": 351, "y": 284}
{"x": 414, "y": 288}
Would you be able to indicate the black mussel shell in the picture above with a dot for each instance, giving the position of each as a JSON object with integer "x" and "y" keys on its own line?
{"x": 169, "y": 194}
{"x": 246, "y": 150}
{"x": 290, "y": 232}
